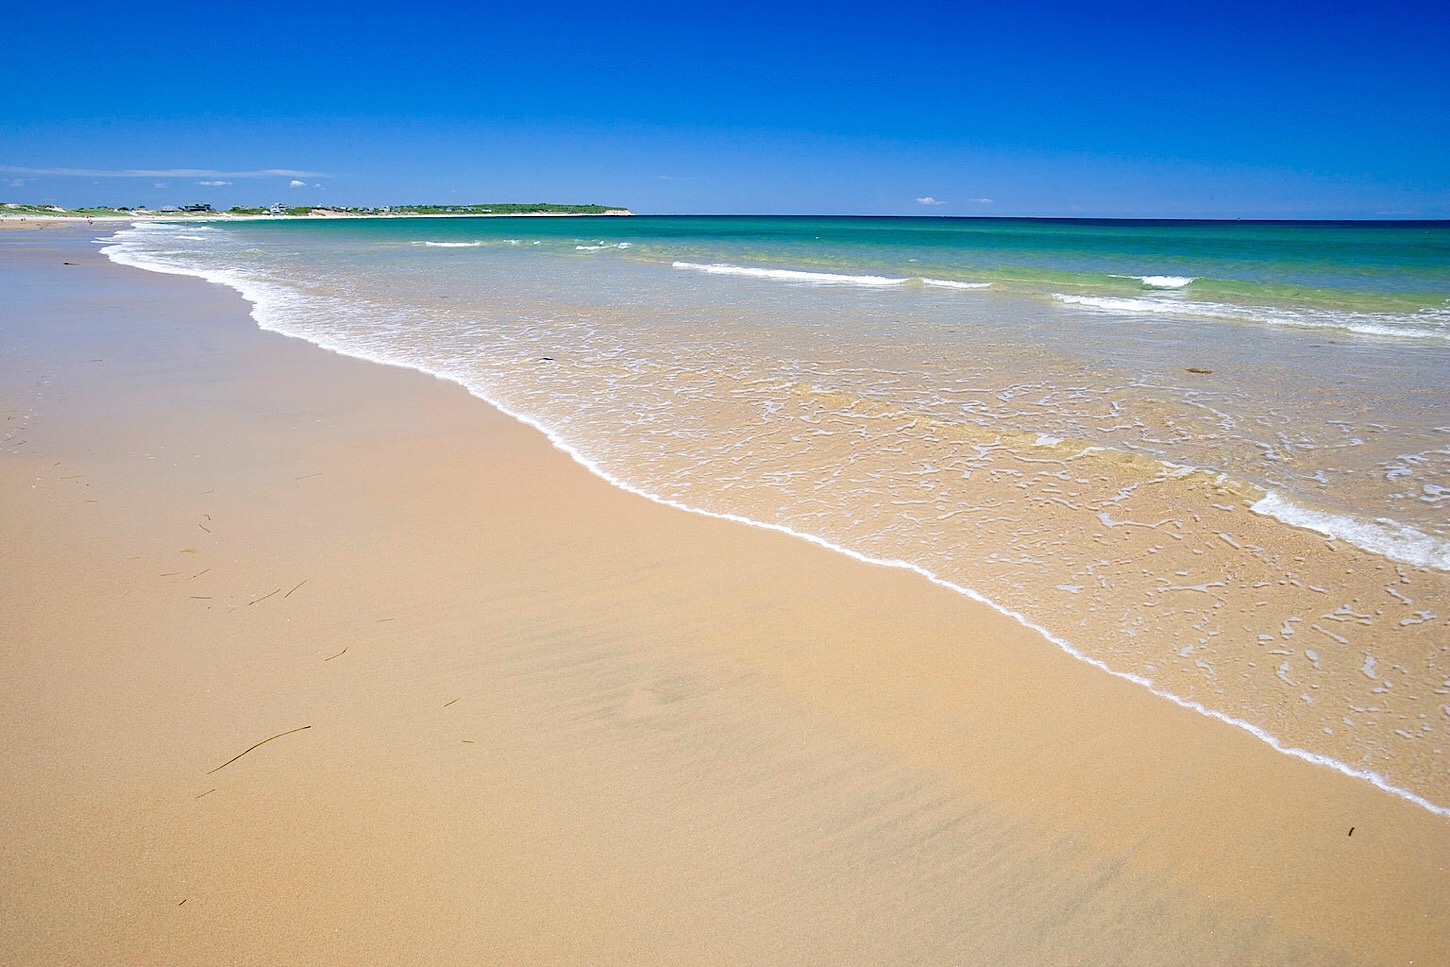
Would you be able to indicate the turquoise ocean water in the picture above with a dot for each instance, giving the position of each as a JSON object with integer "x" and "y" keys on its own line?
{"x": 1210, "y": 457}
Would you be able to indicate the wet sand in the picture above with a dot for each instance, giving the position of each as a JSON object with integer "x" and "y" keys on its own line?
{"x": 541, "y": 720}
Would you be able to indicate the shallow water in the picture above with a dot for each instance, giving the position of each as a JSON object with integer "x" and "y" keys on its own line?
{"x": 1211, "y": 457}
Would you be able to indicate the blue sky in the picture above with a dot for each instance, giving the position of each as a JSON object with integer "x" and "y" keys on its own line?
{"x": 1138, "y": 109}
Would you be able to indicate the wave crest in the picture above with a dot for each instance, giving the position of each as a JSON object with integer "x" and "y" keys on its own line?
{"x": 790, "y": 275}
{"x": 1396, "y": 541}
{"x": 1421, "y": 325}
{"x": 823, "y": 278}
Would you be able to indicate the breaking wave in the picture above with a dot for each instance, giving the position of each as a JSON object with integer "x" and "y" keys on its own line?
{"x": 1431, "y": 324}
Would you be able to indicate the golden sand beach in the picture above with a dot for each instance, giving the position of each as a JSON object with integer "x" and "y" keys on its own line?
{"x": 311, "y": 660}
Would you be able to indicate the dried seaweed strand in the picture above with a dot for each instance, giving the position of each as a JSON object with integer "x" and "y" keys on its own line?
{"x": 258, "y": 745}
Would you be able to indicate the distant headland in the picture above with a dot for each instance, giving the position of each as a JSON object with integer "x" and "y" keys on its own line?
{"x": 14, "y": 212}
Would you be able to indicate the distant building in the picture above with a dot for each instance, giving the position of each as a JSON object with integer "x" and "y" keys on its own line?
{"x": 197, "y": 207}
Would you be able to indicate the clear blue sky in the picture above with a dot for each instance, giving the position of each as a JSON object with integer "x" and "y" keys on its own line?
{"x": 1256, "y": 109}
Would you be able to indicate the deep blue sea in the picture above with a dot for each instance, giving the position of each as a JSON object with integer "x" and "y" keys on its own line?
{"x": 1212, "y": 457}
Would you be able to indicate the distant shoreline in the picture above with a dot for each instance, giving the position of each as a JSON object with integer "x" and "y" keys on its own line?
{"x": 29, "y": 218}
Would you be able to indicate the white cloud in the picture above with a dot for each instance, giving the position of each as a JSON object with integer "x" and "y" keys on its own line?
{"x": 294, "y": 183}
{"x": 982, "y": 201}
{"x": 160, "y": 173}
{"x": 213, "y": 184}
{"x": 928, "y": 200}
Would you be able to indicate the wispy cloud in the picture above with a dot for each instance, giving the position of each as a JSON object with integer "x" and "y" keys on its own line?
{"x": 213, "y": 184}
{"x": 294, "y": 183}
{"x": 982, "y": 201}
{"x": 928, "y": 200}
{"x": 159, "y": 173}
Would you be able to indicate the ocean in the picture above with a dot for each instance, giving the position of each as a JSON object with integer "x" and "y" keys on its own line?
{"x": 1209, "y": 457}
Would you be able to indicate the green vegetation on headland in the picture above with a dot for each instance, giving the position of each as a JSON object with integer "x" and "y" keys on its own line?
{"x": 55, "y": 211}
{"x": 509, "y": 208}
{"x": 502, "y": 208}
{"x": 539, "y": 208}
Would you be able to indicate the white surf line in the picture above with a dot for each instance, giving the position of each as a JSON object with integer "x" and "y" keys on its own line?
{"x": 1402, "y": 326}
{"x": 821, "y": 278}
{"x": 789, "y": 275}
{"x": 563, "y": 445}
{"x": 1160, "y": 281}
{"x": 1385, "y": 537}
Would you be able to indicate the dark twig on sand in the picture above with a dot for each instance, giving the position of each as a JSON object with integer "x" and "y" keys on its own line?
{"x": 264, "y": 597}
{"x": 299, "y": 584}
{"x": 258, "y": 745}
{"x": 338, "y": 655}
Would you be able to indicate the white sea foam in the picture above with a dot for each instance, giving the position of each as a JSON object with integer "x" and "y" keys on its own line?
{"x": 272, "y": 306}
{"x": 791, "y": 275}
{"x": 824, "y": 278}
{"x": 453, "y": 244}
{"x": 600, "y": 247}
{"x": 1396, "y": 541}
{"x": 1160, "y": 281}
{"x": 1117, "y": 304}
{"x": 1420, "y": 325}
{"x": 953, "y": 284}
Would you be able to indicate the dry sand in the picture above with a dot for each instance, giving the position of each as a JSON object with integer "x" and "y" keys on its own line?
{"x": 550, "y": 722}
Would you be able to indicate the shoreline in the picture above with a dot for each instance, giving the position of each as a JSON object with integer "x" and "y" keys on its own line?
{"x": 12, "y": 221}
{"x": 1045, "y": 636}
{"x": 750, "y": 738}
{"x": 1283, "y": 742}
